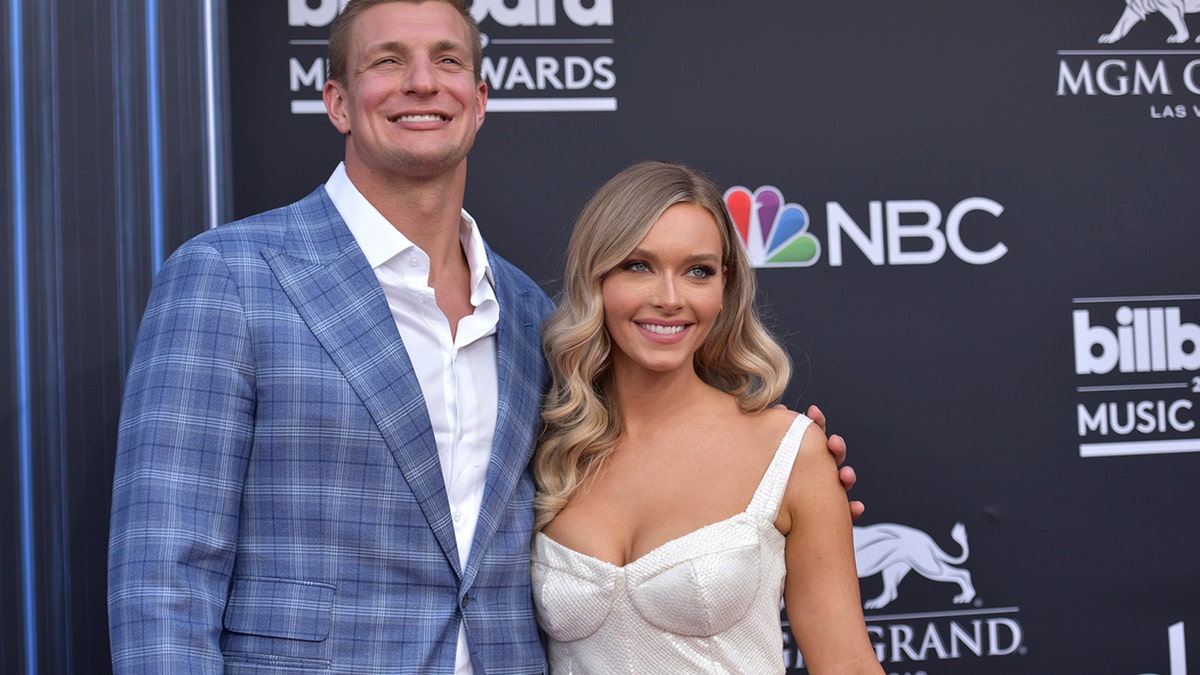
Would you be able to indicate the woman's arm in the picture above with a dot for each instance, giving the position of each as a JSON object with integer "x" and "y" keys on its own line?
{"x": 821, "y": 588}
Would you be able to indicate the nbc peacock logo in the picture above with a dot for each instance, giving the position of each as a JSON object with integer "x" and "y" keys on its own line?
{"x": 773, "y": 232}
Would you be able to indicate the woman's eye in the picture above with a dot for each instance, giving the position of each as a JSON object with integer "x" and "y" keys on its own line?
{"x": 636, "y": 266}
{"x": 701, "y": 272}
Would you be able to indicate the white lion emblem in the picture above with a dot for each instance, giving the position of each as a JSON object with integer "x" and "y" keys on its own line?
{"x": 1136, "y": 10}
{"x": 896, "y": 550}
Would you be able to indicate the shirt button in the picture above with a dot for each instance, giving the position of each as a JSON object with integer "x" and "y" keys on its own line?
{"x": 414, "y": 260}
{"x": 458, "y": 516}
{"x": 423, "y": 297}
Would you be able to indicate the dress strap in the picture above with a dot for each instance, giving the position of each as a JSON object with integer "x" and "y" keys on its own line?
{"x": 774, "y": 481}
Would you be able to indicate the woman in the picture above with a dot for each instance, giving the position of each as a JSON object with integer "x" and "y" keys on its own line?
{"x": 671, "y": 516}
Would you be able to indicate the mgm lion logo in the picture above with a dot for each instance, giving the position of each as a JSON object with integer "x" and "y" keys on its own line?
{"x": 896, "y": 550}
{"x": 1136, "y": 11}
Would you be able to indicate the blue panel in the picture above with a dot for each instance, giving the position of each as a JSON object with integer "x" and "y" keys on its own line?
{"x": 153, "y": 107}
{"x": 21, "y": 288}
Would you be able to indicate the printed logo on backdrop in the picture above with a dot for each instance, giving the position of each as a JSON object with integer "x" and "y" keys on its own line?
{"x": 1137, "y": 369}
{"x": 1176, "y": 651}
{"x": 539, "y": 55}
{"x": 308, "y": 44}
{"x": 778, "y": 233}
{"x": 548, "y": 55}
{"x": 951, "y": 622}
{"x": 1149, "y": 55}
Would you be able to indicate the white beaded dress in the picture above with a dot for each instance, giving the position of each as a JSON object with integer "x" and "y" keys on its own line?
{"x": 706, "y": 602}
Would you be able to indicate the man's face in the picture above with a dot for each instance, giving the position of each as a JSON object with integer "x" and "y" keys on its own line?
{"x": 412, "y": 105}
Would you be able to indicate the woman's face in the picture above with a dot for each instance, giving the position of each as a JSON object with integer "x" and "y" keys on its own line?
{"x": 661, "y": 302}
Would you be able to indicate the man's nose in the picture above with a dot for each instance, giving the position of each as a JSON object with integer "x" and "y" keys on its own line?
{"x": 420, "y": 77}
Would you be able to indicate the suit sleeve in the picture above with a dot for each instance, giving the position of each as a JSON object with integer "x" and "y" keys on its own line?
{"x": 187, "y": 423}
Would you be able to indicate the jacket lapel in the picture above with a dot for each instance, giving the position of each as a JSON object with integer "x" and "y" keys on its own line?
{"x": 520, "y": 373}
{"x": 333, "y": 288}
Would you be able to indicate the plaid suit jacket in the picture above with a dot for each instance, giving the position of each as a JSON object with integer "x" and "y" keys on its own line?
{"x": 278, "y": 504}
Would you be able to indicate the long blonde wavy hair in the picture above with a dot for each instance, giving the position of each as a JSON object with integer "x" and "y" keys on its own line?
{"x": 581, "y": 427}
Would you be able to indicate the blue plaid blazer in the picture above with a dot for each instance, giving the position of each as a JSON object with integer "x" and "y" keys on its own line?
{"x": 278, "y": 504}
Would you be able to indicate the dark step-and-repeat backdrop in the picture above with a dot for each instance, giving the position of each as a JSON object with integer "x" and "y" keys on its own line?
{"x": 976, "y": 227}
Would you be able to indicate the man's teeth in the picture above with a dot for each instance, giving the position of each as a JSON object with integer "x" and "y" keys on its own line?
{"x": 420, "y": 118}
{"x": 662, "y": 330}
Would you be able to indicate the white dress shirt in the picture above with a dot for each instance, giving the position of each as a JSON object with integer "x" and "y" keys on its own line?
{"x": 458, "y": 375}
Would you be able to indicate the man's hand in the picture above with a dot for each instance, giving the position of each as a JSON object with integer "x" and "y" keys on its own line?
{"x": 837, "y": 446}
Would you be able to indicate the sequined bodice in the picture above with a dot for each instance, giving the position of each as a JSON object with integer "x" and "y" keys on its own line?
{"x": 706, "y": 602}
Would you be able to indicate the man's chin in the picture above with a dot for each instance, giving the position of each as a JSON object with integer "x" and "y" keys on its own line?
{"x": 428, "y": 165}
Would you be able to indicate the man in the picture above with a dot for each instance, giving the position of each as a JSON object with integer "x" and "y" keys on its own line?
{"x": 323, "y": 451}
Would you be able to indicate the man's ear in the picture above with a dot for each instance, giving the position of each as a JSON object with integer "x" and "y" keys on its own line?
{"x": 482, "y": 94}
{"x": 334, "y": 95}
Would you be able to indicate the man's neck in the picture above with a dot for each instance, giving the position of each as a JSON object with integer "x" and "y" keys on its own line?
{"x": 427, "y": 211}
